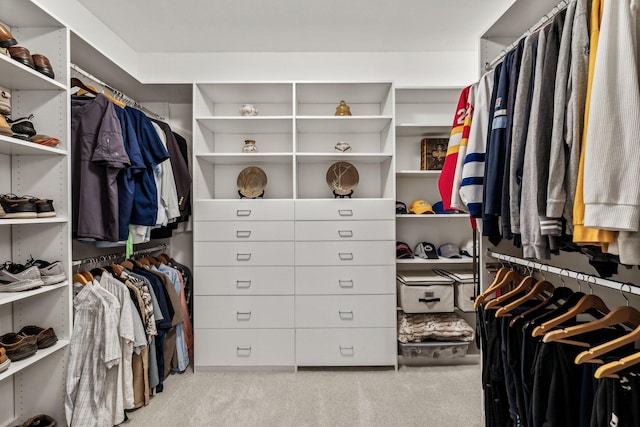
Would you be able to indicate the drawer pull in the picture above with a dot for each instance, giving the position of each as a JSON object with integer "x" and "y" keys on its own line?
{"x": 243, "y": 351}
{"x": 243, "y": 284}
{"x": 243, "y": 315}
{"x": 243, "y": 233}
{"x": 347, "y": 350}
{"x": 346, "y": 315}
{"x": 345, "y": 256}
{"x": 345, "y": 233}
{"x": 243, "y": 257}
{"x": 243, "y": 212}
{"x": 345, "y": 212}
{"x": 428, "y": 300}
{"x": 345, "y": 283}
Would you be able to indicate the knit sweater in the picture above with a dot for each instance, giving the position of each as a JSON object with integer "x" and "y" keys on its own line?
{"x": 568, "y": 114}
{"x": 472, "y": 182}
{"x": 533, "y": 243}
{"x": 612, "y": 154}
{"x": 520, "y": 126}
{"x": 581, "y": 233}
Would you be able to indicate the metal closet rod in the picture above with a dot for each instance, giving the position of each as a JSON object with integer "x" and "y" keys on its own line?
{"x": 546, "y": 19}
{"x": 587, "y": 278}
{"x": 120, "y": 255}
{"x": 118, "y": 94}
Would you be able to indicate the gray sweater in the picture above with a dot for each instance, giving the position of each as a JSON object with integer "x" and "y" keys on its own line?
{"x": 565, "y": 143}
{"x": 519, "y": 126}
{"x": 533, "y": 243}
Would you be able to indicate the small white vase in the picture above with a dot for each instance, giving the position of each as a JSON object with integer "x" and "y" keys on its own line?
{"x": 250, "y": 146}
{"x": 249, "y": 110}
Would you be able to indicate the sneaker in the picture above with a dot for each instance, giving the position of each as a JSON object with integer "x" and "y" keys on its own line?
{"x": 5, "y": 362}
{"x": 44, "y": 337}
{"x": 12, "y": 206}
{"x": 19, "y": 347}
{"x": 44, "y": 207}
{"x": 50, "y": 272}
{"x": 15, "y": 277}
{"x": 23, "y": 126}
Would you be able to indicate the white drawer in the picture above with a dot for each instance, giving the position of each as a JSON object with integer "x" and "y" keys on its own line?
{"x": 245, "y": 231}
{"x": 244, "y": 280}
{"x": 244, "y": 210}
{"x": 346, "y": 253}
{"x": 244, "y": 347}
{"x": 243, "y": 253}
{"x": 345, "y": 280}
{"x": 345, "y": 209}
{"x": 346, "y": 347}
{"x": 345, "y": 230}
{"x": 245, "y": 312}
{"x": 345, "y": 311}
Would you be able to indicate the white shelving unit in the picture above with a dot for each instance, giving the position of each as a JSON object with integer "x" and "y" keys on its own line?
{"x": 423, "y": 112}
{"x": 36, "y": 384}
{"x": 344, "y": 261}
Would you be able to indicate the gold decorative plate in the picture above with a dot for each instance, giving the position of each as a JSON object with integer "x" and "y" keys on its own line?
{"x": 342, "y": 178}
{"x": 251, "y": 181}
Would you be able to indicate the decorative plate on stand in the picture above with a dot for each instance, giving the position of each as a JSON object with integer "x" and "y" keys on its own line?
{"x": 342, "y": 178}
{"x": 251, "y": 182}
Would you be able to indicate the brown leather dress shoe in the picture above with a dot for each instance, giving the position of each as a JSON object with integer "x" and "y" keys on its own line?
{"x": 19, "y": 347}
{"x": 41, "y": 420}
{"x": 22, "y": 55}
{"x": 43, "y": 65}
{"x": 6, "y": 39}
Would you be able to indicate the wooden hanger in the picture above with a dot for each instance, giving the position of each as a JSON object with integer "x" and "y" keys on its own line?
{"x": 151, "y": 260}
{"x": 76, "y": 82}
{"x": 610, "y": 370}
{"x": 523, "y": 286}
{"x": 164, "y": 258}
{"x": 536, "y": 292}
{"x": 79, "y": 278}
{"x": 88, "y": 276}
{"x": 593, "y": 353}
{"x": 127, "y": 264}
{"x": 619, "y": 315}
{"x": 586, "y": 303}
{"x": 504, "y": 276}
{"x": 117, "y": 270}
{"x": 559, "y": 294}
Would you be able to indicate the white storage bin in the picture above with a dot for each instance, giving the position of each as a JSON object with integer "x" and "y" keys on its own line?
{"x": 464, "y": 296}
{"x": 425, "y": 299}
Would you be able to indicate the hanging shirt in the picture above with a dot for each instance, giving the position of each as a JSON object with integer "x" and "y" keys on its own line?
{"x": 97, "y": 157}
{"x": 145, "y": 205}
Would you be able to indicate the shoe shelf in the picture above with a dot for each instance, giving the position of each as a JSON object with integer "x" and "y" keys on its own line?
{"x": 26, "y": 221}
{"x": 9, "y": 297}
{"x": 16, "y": 76}
{"x": 20, "y": 365}
{"x": 15, "y": 146}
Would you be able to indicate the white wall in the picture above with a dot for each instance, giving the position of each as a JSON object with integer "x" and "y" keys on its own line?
{"x": 405, "y": 68}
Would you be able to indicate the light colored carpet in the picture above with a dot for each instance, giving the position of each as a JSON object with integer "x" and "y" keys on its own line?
{"x": 433, "y": 396}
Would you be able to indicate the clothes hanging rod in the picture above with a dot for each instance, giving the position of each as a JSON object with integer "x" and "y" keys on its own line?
{"x": 111, "y": 257}
{"x": 546, "y": 19}
{"x": 589, "y": 279}
{"x": 124, "y": 98}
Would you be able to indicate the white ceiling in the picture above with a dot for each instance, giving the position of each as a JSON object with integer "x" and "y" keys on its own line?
{"x": 298, "y": 25}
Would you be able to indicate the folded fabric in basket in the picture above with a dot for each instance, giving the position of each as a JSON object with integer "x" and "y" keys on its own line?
{"x": 441, "y": 327}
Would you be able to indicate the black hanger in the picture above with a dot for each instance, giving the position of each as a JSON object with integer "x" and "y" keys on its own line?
{"x": 76, "y": 82}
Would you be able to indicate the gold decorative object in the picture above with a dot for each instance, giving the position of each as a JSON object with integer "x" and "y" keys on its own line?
{"x": 343, "y": 109}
